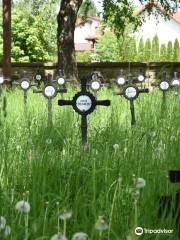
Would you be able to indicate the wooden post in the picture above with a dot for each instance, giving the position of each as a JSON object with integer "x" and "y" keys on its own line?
{"x": 7, "y": 39}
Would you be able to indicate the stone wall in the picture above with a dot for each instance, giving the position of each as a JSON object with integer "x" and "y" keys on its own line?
{"x": 109, "y": 70}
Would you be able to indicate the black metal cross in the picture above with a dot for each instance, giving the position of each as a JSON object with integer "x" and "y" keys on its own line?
{"x": 131, "y": 92}
{"x": 24, "y": 84}
{"x": 38, "y": 78}
{"x": 50, "y": 91}
{"x": 84, "y": 103}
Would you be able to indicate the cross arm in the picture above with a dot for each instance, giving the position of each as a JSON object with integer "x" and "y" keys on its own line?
{"x": 103, "y": 102}
{"x": 145, "y": 90}
{"x": 62, "y": 90}
{"x": 37, "y": 91}
{"x": 64, "y": 102}
{"x": 118, "y": 93}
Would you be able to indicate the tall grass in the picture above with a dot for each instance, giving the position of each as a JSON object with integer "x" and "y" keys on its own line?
{"x": 51, "y": 165}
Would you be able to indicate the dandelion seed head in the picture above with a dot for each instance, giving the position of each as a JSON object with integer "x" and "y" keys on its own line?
{"x": 58, "y": 236}
{"x": 18, "y": 148}
{"x": 173, "y": 139}
{"x": 116, "y": 146}
{"x": 23, "y": 206}
{"x": 2, "y": 222}
{"x": 140, "y": 183}
{"x": 65, "y": 215}
{"x": 136, "y": 194}
{"x": 80, "y": 236}
{"x": 7, "y": 231}
{"x": 101, "y": 225}
{"x": 125, "y": 150}
{"x": 48, "y": 141}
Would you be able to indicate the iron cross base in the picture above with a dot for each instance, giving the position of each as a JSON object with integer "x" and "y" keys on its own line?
{"x": 131, "y": 92}
{"x": 169, "y": 206}
{"x": 84, "y": 103}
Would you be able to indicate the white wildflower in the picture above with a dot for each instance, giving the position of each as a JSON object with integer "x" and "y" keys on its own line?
{"x": 173, "y": 139}
{"x": 48, "y": 141}
{"x": 140, "y": 183}
{"x": 23, "y": 206}
{"x": 65, "y": 215}
{"x": 58, "y": 236}
{"x": 7, "y": 231}
{"x": 116, "y": 146}
{"x": 125, "y": 150}
{"x": 2, "y": 222}
{"x": 136, "y": 194}
{"x": 18, "y": 148}
{"x": 80, "y": 236}
{"x": 101, "y": 225}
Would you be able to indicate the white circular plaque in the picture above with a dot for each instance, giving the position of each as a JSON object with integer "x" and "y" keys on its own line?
{"x": 176, "y": 83}
{"x": 121, "y": 81}
{"x": 164, "y": 85}
{"x": 61, "y": 81}
{"x": 49, "y": 91}
{"x": 83, "y": 103}
{"x": 38, "y": 77}
{"x": 1, "y": 80}
{"x": 130, "y": 92}
{"x": 95, "y": 85}
{"x": 25, "y": 85}
{"x": 140, "y": 78}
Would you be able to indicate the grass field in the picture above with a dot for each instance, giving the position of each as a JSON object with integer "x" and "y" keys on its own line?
{"x": 48, "y": 168}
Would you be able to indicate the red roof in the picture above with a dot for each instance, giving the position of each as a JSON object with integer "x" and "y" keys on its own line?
{"x": 176, "y": 17}
{"x": 142, "y": 8}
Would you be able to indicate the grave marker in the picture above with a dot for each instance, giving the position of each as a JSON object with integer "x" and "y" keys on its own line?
{"x": 131, "y": 92}
{"x": 84, "y": 103}
{"x": 25, "y": 85}
{"x": 50, "y": 91}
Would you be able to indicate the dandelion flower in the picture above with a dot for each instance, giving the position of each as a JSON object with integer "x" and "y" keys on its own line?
{"x": 80, "y": 236}
{"x": 140, "y": 183}
{"x": 101, "y": 225}
{"x": 23, "y": 206}
{"x": 116, "y": 146}
{"x": 7, "y": 231}
{"x": 65, "y": 215}
{"x": 2, "y": 222}
{"x": 136, "y": 194}
{"x": 58, "y": 236}
{"x": 48, "y": 141}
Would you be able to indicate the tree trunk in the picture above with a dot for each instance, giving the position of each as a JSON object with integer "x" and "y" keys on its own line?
{"x": 65, "y": 38}
{"x": 7, "y": 40}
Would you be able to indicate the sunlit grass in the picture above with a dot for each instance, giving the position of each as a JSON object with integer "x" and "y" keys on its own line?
{"x": 51, "y": 165}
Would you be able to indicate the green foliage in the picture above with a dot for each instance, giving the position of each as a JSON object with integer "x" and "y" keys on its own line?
{"x": 51, "y": 165}
{"x": 88, "y": 9}
{"x": 83, "y": 56}
{"x": 118, "y": 14}
{"x": 107, "y": 47}
{"x": 33, "y": 32}
{"x": 163, "y": 53}
{"x": 155, "y": 49}
{"x": 140, "y": 56}
{"x": 147, "y": 50}
{"x": 169, "y": 55}
{"x": 176, "y": 51}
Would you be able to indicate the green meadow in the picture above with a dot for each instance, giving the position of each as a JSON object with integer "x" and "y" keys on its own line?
{"x": 47, "y": 167}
